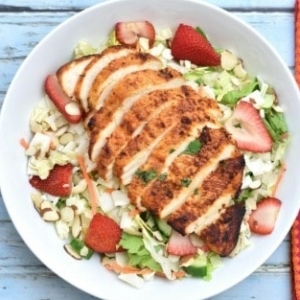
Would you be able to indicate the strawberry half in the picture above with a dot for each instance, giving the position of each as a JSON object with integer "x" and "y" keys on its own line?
{"x": 128, "y": 33}
{"x": 180, "y": 245}
{"x": 58, "y": 183}
{"x": 189, "y": 44}
{"x": 103, "y": 234}
{"x": 262, "y": 220}
{"x": 68, "y": 108}
{"x": 248, "y": 129}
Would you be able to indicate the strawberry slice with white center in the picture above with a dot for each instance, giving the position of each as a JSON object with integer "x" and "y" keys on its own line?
{"x": 68, "y": 108}
{"x": 248, "y": 129}
{"x": 262, "y": 220}
{"x": 180, "y": 245}
{"x": 128, "y": 33}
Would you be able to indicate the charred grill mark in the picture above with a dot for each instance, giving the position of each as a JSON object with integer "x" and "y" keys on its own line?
{"x": 221, "y": 236}
{"x": 217, "y": 183}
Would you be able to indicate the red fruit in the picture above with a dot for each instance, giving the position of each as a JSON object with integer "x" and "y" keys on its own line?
{"x": 68, "y": 108}
{"x": 262, "y": 220}
{"x": 188, "y": 44}
{"x": 128, "y": 33}
{"x": 58, "y": 183}
{"x": 248, "y": 129}
{"x": 103, "y": 234}
{"x": 180, "y": 245}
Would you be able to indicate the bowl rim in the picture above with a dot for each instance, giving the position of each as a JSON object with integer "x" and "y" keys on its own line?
{"x": 4, "y": 186}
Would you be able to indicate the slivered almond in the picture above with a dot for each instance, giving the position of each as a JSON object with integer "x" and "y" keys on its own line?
{"x": 50, "y": 215}
{"x": 76, "y": 227}
{"x": 68, "y": 248}
{"x": 67, "y": 214}
{"x": 66, "y": 138}
{"x": 37, "y": 200}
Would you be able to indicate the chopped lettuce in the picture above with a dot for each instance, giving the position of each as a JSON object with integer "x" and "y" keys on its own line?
{"x": 83, "y": 49}
{"x": 232, "y": 97}
{"x": 275, "y": 123}
{"x": 112, "y": 40}
{"x": 138, "y": 255}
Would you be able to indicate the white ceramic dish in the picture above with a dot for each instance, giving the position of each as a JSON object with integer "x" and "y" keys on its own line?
{"x": 26, "y": 89}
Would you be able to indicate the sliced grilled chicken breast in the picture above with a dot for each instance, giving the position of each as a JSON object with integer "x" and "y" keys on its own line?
{"x": 139, "y": 148}
{"x": 187, "y": 172}
{"x": 122, "y": 97}
{"x": 93, "y": 68}
{"x": 175, "y": 142}
{"x": 222, "y": 236}
{"x": 115, "y": 71}
{"x": 69, "y": 73}
{"x": 144, "y": 110}
{"x": 211, "y": 198}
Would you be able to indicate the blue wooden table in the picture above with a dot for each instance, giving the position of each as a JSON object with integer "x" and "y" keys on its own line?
{"x": 22, "y": 24}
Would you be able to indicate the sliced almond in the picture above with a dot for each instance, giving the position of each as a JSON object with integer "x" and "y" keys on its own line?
{"x": 46, "y": 204}
{"x": 50, "y": 215}
{"x": 36, "y": 200}
{"x": 71, "y": 251}
{"x": 66, "y": 138}
{"x": 76, "y": 227}
{"x": 67, "y": 214}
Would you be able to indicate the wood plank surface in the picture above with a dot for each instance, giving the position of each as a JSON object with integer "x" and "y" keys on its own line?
{"x": 23, "y": 24}
{"x": 29, "y": 5}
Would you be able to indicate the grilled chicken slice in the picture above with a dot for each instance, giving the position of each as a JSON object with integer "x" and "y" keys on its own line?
{"x": 222, "y": 236}
{"x": 143, "y": 111}
{"x": 126, "y": 92}
{"x": 175, "y": 142}
{"x": 69, "y": 73}
{"x": 138, "y": 149}
{"x": 211, "y": 198}
{"x": 115, "y": 71}
{"x": 85, "y": 81}
{"x": 187, "y": 173}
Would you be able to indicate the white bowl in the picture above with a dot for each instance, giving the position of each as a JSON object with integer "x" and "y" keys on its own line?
{"x": 93, "y": 25}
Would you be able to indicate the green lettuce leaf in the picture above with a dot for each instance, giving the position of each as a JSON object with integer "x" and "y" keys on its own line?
{"x": 232, "y": 97}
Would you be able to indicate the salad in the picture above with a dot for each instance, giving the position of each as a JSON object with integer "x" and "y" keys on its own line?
{"x": 96, "y": 217}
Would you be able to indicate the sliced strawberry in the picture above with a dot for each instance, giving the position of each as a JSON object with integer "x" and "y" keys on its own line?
{"x": 68, "y": 108}
{"x": 128, "y": 33}
{"x": 58, "y": 183}
{"x": 180, "y": 245}
{"x": 262, "y": 220}
{"x": 103, "y": 234}
{"x": 248, "y": 129}
{"x": 189, "y": 44}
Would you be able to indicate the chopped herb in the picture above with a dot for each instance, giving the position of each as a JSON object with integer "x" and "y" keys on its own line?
{"x": 244, "y": 195}
{"x": 162, "y": 177}
{"x": 171, "y": 151}
{"x": 185, "y": 182}
{"x": 196, "y": 191}
{"x": 146, "y": 176}
{"x": 61, "y": 203}
{"x": 193, "y": 147}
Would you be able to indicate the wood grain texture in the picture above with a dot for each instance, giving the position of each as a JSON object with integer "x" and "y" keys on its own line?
{"x": 7, "y": 5}
{"x": 23, "y": 24}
